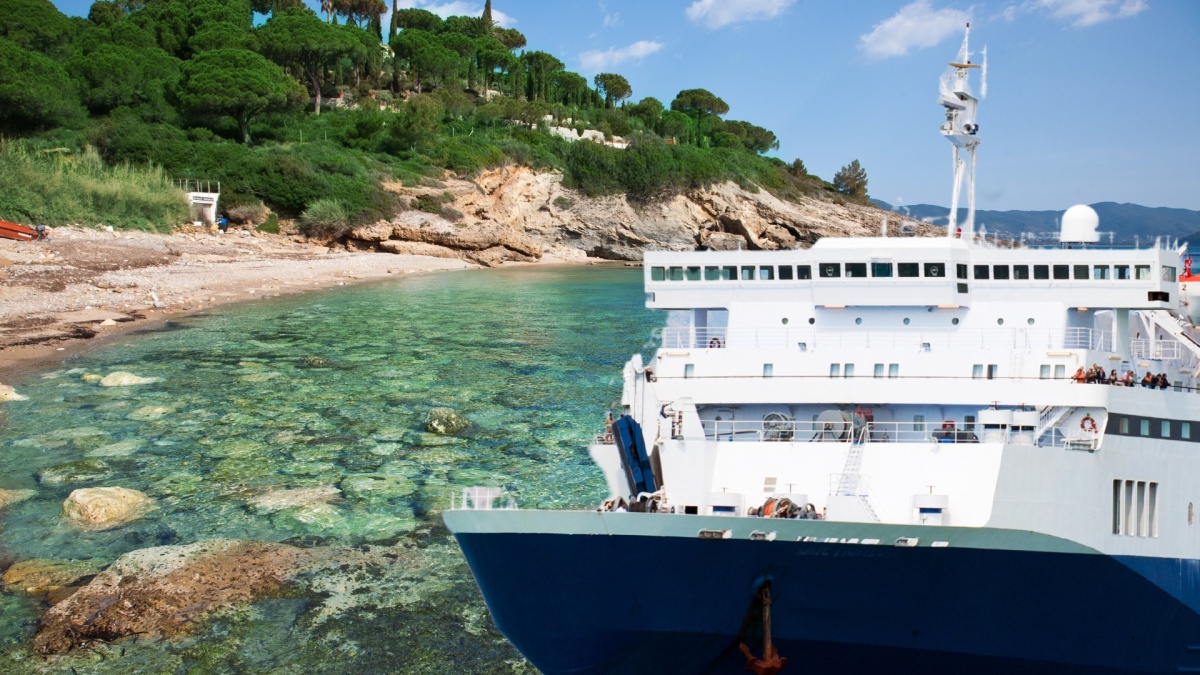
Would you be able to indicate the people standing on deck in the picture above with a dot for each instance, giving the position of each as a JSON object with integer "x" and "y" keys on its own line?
{"x": 1080, "y": 376}
{"x": 1163, "y": 382}
{"x": 1128, "y": 379}
{"x": 1148, "y": 380}
{"x": 1113, "y": 378}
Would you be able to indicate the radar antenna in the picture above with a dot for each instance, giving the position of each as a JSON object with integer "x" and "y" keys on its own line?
{"x": 962, "y": 130}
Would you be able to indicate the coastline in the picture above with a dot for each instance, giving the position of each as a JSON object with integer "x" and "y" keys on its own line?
{"x": 86, "y": 288}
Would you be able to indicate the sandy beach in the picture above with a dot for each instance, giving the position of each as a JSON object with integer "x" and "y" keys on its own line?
{"x": 85, "y": 286}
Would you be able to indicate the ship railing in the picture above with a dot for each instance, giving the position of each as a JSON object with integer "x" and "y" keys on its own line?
{"x": 689, "y": 337}
{"x": 1156, "y": 350}
{"x": 801, "y": 431}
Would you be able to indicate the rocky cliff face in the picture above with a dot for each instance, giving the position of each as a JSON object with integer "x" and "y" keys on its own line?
{"x": 513, "y": 213}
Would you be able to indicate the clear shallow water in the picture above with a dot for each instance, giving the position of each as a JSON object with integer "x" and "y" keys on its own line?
{"x": 328, "y": 389}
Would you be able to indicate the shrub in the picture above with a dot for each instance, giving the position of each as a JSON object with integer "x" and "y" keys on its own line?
{"x": 248, "y": 214}
{"x": 55, "y": 187}
{"x": 563, "y": 203}
{"x": 324, "y": 219}
{"x": 270, "y": 225}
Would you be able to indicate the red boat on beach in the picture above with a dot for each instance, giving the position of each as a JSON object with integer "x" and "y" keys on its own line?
{"x": 19, "y": 232}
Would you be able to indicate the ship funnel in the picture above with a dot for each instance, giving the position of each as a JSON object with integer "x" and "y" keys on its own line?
{"x": 1079, "y": 225}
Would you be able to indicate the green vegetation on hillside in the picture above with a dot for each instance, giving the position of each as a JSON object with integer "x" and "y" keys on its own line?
{"x": 192, "y": 89}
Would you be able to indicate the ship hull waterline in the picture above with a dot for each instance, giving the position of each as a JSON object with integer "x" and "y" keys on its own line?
{"x": 576, "y": 595}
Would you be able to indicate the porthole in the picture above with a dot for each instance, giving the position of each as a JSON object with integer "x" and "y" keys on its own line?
{"x": 906, "y": 320}
{"x": 999, "y": 322}
{"x": 954, "y": 321}
{"x": 1029, "y": 321}
{"x": 858, "y": 321}
{"x": 785, "y": 320}
{"x": 811, "y": 320}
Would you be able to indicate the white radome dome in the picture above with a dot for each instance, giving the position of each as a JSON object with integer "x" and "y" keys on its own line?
{"x": 1079, "y": 225}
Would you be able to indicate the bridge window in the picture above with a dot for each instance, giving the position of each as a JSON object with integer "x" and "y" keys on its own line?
{"x": 748, "y": 273}
{"x": 881, "y": 269}
{"x": 935, "y": 269}
{"x": 856, "y": 269}
{"x": 893, "y": 370}
{"x": 1141, "y": 272}
{"x": 981, "y": 271}
{"x": 1062, "y": 271}
{"x": 1100, "y": 272}
{"x": 1121, "y": 272}
{"x": 803, "y": 271}
{"x": 1044, "y": 373}
{"x": 658, "y": 273}
{"x": 1168, "y": 273}
{"x": 1060, "y": 371}
{"x": 1000, "y": 271}
{"x": 693, "y": 274}
{"x": 712, "y": 273}
{"x": 1020, "y": 271}
{"x": 766, "y": 273}
{"x": 1041, "y": 271}
{"x": 829, "y": 270}
{"x": 909, "y": 269}
{"x": 878, "y": 370}
{"x": 786, "y": 273}
{"x": 835, "y": 369}
{"x": 1081, "y": 271}
{"x": 729, "y": 273}
{"x": 676, "y": 273}
{"x": 962, "y": 271}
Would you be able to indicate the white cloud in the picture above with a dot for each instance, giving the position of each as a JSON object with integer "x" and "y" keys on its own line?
{"x": 611, "y": 19}
{"x": 458, "y": 8}
{"x": 916, "y": 26}
{"x": 597, "y": 61}
{"x": 1083, "y": 13}
{"x": 717, "y": 13}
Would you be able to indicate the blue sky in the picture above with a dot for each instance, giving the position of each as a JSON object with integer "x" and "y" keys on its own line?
{"x": 1088, "y": 100}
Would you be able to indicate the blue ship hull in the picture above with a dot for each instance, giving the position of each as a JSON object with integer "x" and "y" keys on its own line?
{"x": 621, "y": 603}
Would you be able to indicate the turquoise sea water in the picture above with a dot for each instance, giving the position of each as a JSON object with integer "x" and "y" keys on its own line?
{"x": 327, "y": 390}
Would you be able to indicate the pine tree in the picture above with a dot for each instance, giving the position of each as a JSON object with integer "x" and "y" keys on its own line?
{"x": 851, "y": 180}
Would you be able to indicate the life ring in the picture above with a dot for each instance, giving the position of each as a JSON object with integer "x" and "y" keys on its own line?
{"x": 714, "y": 343}
{"x": 1088, "y": 424}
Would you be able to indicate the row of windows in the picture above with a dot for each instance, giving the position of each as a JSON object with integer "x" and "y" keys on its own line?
{"x": 833, "y": 270}
{"x": 1135, "y": 508}
{"x": 1152, "y": 427}
{"x": 796, "y": 272}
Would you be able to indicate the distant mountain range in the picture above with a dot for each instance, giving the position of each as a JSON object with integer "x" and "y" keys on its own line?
{"x": 1127, "y": 223}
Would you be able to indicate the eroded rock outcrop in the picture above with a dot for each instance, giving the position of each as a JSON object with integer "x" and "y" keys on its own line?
{"x": 167, "y": 590}
{"x": 515, "y": 214}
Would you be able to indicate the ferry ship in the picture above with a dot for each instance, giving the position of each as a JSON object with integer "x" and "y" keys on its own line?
{"x": 883, "y": 454}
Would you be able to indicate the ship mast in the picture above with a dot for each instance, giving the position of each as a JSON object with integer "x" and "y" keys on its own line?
{"x": 961, "y": 129}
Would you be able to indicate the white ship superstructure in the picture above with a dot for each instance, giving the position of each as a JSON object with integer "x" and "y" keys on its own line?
{"x": 926, "y": 381}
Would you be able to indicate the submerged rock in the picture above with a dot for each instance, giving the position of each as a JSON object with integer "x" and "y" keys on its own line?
{"x": 43, "y": 575}
{"x": 13, "y": 496}
{"x": 167, "y": 590}
{"x": 83, "y": 471}
{"x": 7, "y": 393}
{"x": 276, "y": 500}
{"x": 445, "y": 421}
{"x": 105, "y": 508}
{"x": 123, "y": 379}
{"x": 92, "y": 377}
